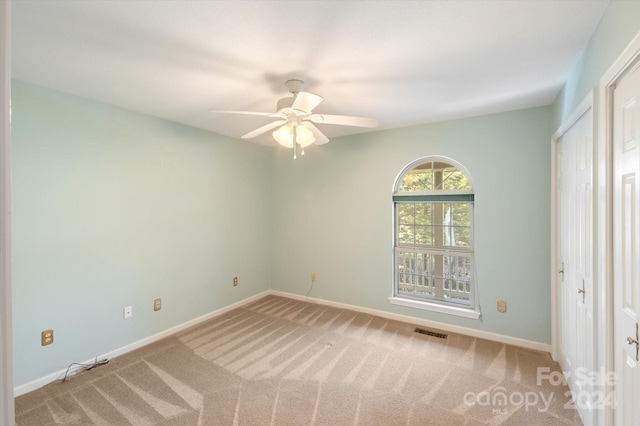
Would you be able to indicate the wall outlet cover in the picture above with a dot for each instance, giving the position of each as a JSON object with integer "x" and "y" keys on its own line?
{"x": 128, "y": 312}
{"x": 46, "y": 337}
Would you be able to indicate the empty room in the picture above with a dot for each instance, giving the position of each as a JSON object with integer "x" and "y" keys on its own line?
{"x": 320, "y": 212}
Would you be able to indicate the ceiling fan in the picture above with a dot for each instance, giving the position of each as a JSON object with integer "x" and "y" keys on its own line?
{"x": 294, "y": 125}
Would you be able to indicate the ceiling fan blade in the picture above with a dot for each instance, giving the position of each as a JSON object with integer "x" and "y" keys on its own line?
{"x": 320, "y": 137}
{"x": 263, "y": 114}
{"x": 263, "y": 129}
{"x": 343, "y": 120}
{"x": 306, "y": 102}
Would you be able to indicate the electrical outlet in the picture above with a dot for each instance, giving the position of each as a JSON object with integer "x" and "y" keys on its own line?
{"x": 157, "y": 304}
{"x": 313, "y": 277}
{"x": 235, "y": 281}
{"x": 46, "y": 337}
{"x": 128, "y": 312}
{"x": 502, "y": 306}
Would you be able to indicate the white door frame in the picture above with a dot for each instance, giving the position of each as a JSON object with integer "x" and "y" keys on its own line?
{"x": 608, "y": 82}
{"x": 7, "y": 413}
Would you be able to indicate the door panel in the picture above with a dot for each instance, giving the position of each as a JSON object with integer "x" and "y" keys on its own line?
{"x": 574, "y": 201}
{"x": 626, "y": 246}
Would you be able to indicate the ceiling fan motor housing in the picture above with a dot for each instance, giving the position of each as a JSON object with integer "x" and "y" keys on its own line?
{"x": 284, "y": 106}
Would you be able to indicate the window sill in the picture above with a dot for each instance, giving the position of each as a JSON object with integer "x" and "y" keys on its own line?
{"x": 435, "y": 307}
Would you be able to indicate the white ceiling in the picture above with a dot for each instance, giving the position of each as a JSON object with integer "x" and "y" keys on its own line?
{"x": 401, "y": 62}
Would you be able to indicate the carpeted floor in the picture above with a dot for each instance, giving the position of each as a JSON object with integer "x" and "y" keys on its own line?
{"x": 279, "y": 361}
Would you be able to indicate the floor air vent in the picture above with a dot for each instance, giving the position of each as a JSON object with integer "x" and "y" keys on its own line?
{"x": 431, "y": 333}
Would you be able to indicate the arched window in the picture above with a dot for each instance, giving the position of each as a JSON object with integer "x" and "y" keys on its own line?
{"x": 433, "y": 202}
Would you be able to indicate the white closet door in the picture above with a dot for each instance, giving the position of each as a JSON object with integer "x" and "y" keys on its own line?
{"x": 626, "y": 246}
{"x": 574, "y": 203}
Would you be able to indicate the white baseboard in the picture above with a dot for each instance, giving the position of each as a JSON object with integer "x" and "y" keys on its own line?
{"x": 509, "y": 340}
{"x": 58, "y": 375}
{"x": 38, "y": 383}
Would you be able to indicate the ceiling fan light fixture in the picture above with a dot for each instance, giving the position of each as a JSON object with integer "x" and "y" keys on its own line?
{"x": 304, "y": 136}
{"x": 284, "y": 135}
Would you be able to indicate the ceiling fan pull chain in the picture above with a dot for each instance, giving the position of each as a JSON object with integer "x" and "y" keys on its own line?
{"x": 295, "y": 142}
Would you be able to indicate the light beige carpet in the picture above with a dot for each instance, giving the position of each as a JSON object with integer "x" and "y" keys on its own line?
{"x": 279, "y": 361}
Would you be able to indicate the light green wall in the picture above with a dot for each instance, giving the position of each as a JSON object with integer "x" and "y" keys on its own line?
{"x": 115, "y": 208}
{"x": 618, "y": 26}
{"x": 333, "y": 216}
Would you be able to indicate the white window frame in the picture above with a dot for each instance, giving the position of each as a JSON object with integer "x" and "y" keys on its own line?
{"x": 418, "y": 302}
